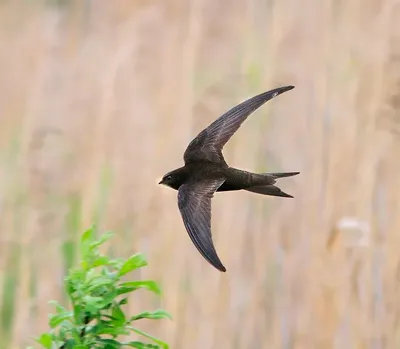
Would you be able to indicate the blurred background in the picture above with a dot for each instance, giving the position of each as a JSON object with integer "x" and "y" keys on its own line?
{"x": 99, "y": 99}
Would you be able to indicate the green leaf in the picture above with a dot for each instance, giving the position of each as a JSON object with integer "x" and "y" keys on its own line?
{"x": 154, "y": 339}
{"x": 45, "y": 340}
{"x": 88, "y": 247}
{"x": 78, "y": 311}
{"x": 105, "y": 300}
{"x": 117, "y": 263}
{"x": 134, "y": 285}
{"x": 102, "y": 260}
{"x": 101, "y": 241}
{"x": 92, "y": 300}
{"x": 157, "y": 314}
{"x": 123, "y": 290}
{"x": 106, "y": 327}
{"x": 74, "y": 280}
{"x": 140, "y": 345}
{"x": 134, "y": 262}
{"x": 98, "y": 282}
{"x": 57, "y": 319}
{"x": 110, "y": 343}
{"x": 76, "y": 335}
{"x": 87, "y": 235}
{"x": 69, "y": 344}
{"x": 95, "y": 304}
{"x": 118, "y": 314}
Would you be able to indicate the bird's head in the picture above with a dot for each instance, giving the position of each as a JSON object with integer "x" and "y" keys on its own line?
{"x": 172, "y": 179}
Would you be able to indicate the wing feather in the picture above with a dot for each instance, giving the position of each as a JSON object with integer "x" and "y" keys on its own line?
{"x": 194, "y": 202}
{"x": 209, "y": 143}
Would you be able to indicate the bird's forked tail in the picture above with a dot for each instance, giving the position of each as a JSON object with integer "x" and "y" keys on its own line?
{"x": 282, "y": 174}
{"x": 271, "y": 189}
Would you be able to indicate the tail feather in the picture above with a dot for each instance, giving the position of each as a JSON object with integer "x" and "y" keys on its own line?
{"x": 282, "y": 174}
{"x": 271, "y": 190}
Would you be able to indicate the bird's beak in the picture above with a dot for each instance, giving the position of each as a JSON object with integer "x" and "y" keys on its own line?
{"x": 160, "y": 182}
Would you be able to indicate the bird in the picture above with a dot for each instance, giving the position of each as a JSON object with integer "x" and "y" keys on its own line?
{"x": 205, "y": 172}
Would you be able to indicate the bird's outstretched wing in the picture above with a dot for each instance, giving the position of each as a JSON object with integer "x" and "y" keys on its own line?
{"x": 194, "y": 202}
{"x": 209, "y": 143}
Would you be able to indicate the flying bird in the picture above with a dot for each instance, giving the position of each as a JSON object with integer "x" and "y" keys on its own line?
{"x": 206, "y": 172}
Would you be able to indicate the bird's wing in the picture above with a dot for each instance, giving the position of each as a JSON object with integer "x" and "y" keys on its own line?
{"x": 194, "y": 201}
{"x": 209, "y": 143}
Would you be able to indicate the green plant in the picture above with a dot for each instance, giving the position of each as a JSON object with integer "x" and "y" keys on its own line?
{"x": 96, "y": 293}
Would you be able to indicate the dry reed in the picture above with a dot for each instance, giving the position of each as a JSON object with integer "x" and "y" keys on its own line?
{"x": 98, "y": 99}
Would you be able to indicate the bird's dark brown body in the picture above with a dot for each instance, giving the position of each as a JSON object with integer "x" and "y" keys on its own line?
{"x": 234, "y": 179}
{"x": 206, "y": 172}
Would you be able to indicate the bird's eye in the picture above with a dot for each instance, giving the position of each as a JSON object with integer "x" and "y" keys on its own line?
{"x": 168, "y": 178}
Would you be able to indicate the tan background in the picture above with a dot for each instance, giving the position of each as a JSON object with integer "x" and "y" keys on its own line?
{"x": 98, "y": 99}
